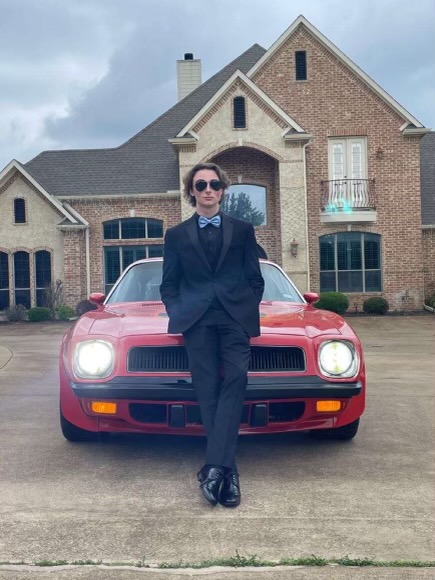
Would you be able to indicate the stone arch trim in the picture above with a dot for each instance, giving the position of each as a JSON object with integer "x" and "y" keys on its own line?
{"x": 246, "y": 145}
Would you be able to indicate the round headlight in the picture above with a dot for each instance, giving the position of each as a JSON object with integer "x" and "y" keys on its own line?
{"x": 338, "y": 359}
{"x": 94, "y": 358}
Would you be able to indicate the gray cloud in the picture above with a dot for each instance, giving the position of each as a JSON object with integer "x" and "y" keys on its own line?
{"x": 91, "y": 73}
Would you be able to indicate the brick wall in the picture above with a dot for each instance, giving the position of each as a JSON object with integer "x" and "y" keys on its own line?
{"x": 335, "y": 102}
{"x": 245, "y": 165}
{"x": 96, "y": 212}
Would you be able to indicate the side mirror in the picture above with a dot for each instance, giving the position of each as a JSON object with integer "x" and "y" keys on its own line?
{"x": 97, "y": 298}
{"x": 311, "y": 297}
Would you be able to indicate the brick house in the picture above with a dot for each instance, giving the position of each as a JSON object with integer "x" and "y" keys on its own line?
{"x": 328, "y": 161}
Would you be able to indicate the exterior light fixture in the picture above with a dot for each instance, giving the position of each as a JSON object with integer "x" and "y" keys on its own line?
{"x": 294, "y": 248}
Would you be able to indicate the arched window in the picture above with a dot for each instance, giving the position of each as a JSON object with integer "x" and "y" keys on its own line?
{"x": 22, "y": 278}
{"x": 42, "y": 275}
{"x": 246, "y": 202}
{"x": 4, "y": 281}
{"x": 133, "y": 228}
{"x": 20, "y": 210}
{"x": 350, "y": 262}
{"x": 239, "y": 111}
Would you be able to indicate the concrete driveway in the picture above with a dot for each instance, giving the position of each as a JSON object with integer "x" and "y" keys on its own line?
{"x": 135, "y": 498}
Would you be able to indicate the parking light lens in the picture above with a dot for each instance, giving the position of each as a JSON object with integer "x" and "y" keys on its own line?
{"x": 104, "y": 407}
{"x": 94, "y": 359}
{"x": 328, "y": 406}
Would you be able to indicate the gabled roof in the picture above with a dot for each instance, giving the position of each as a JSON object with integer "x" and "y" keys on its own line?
{"x": 302, "y": 21}
{"x": 427, "y": 170}
{"x": 70, "y": 217}
{"x": 239, "y": 76}
{"x": 146, "y": 163}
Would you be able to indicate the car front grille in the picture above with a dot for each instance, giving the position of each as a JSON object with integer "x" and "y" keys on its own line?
{"x": 143, "y": 359}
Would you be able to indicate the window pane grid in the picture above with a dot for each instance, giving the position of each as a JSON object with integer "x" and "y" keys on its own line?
{"x": 42, "y": 268}
{"x": 4, "y": 271}
{"x": 117, "y": 258}
{"x": 133, "y": 228}
{"x": 21, "y": 270}
{"x": 350, "y": 262}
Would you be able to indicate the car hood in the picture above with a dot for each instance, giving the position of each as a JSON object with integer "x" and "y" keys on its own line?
{"x": 133, "y": 319}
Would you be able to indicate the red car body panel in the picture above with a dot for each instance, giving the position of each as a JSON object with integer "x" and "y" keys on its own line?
{"x": 130, "y": 324}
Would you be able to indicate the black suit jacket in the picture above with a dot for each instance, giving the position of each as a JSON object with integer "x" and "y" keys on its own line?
{"x": 189, "y": 284}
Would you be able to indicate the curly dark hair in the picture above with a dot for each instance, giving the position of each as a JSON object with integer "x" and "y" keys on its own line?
{"x": 188, "y": 180}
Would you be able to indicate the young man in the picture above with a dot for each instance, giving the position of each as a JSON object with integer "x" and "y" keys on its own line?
{"x": 212, "y": 287}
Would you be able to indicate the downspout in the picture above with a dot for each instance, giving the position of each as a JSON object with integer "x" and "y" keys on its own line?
{"x": 307, "y": 256}
{"x": 87, "y": 252}
{"x": 88, "y": 263}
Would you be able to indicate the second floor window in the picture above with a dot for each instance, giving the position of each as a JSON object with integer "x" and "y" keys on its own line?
{"x": 19, "y": 210}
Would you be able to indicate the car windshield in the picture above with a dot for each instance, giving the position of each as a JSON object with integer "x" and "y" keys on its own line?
{"x": 141, "y": 284}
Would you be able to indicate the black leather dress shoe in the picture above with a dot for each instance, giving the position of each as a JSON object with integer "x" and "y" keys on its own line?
{"x": 210, "y": 479}
{"x": 230, "y": 495}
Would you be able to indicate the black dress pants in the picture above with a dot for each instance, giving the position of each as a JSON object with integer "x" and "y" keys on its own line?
{"x": 219, "y": 352}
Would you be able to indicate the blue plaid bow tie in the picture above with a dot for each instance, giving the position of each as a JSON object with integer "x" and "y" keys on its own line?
{"x": 214, "y": 221}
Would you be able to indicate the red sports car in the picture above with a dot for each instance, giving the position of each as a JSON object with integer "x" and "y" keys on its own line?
{"x": 120, "y": 371}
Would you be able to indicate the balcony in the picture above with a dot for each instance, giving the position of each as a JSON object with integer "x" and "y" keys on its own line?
{"x": 348, "y": 201}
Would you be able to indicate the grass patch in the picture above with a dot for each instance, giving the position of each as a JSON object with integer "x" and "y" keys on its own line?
{"x": 238, "y": 561}
{"x": 47, "y": 563}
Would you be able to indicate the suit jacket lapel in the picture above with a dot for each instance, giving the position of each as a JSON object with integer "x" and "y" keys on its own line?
{"x": 192, "y": 232}
{"x": 227, "y": 231}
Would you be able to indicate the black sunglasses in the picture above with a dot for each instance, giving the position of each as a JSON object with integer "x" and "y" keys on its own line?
{"x": 215, "y": 184}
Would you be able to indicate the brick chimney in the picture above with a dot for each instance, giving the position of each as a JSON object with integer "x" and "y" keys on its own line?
{"x": 188, "y": 75}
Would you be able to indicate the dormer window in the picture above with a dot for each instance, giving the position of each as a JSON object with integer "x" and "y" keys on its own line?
{"x": 301, "y": 65}
{"x": 239, "y": 109}
{"x": 20, "y": 210}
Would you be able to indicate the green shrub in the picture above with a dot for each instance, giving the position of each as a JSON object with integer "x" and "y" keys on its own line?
{"x": 16, "y": 313}
{"x": 334, "y": 301}
{"x": 39, "y": 314}
{"x": 85, "y": 306}
{"x": 376, "y": 305}
{"x": 65, "y": 312}
{"x": 430, "y": 301}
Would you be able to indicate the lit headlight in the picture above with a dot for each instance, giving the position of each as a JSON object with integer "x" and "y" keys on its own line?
{"x": 94, "y": 359}
{"x": 338, "y": 359}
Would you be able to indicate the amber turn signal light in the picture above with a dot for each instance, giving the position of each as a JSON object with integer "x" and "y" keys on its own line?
{"x": 328, "y": 406}
{"x": 104, "y": 407}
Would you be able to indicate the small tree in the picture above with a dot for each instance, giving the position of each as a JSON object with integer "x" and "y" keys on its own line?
{"x": 239, "y": 205}
{"x": 53, "y": 296}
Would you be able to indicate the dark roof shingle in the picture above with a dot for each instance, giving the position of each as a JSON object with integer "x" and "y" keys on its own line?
{"x": 146, "y": 163}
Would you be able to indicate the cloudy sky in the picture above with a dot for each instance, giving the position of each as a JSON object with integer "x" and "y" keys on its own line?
{"x": 92, "y": 73}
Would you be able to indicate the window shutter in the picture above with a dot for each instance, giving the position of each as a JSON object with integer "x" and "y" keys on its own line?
{"x": 20, "y": 210}
{"x": 301, "y": 65}
{"x": 239, "y": 113}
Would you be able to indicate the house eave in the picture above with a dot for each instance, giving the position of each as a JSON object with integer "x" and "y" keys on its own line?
{"x": 305, "y": 137}
{"x": 183, "y": 141}
{"x": 413, "y": 131}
